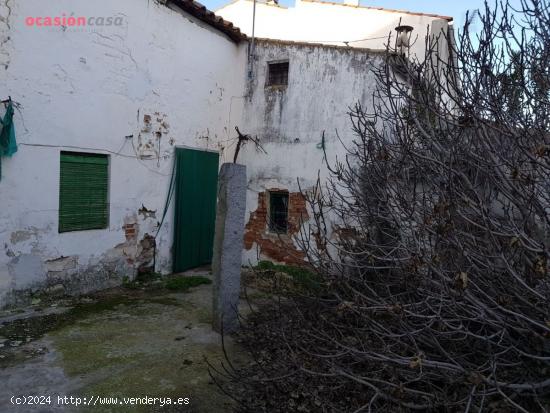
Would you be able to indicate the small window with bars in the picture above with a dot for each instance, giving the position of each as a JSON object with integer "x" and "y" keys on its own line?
{"x": 278, "y": 212}
{"x": 83, "y": 191}
{"x": 277, "y": 73}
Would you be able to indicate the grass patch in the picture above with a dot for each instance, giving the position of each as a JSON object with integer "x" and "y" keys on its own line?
{"x": 144, "y": 279}
{"x": 148, "y": 276}
{"x": 131, "y": 285}
{"x": 184, "y": 283}
{"x": 301, "y": 276}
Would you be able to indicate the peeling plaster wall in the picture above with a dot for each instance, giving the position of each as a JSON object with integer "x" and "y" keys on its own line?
{"x": 274, "y": 246}
{"x": 162, "y": 76}
{"x": 323, "y": 82}
{"x": 5, "y": 28}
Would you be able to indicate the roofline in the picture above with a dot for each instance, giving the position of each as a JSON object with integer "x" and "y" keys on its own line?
{"x": 223, "y": 6}
{"x": 323, "y": 45}
{"x": 263, "y": 3}
{"x": 201, "y": 13}
{"x": 332, "y": 3}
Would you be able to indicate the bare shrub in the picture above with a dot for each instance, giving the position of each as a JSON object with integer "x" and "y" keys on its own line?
{"x": 435, "y": 291}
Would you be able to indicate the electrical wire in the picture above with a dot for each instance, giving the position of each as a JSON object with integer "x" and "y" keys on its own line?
{"x": 136, "y": 157}
{"x": 45, "y": 145}
{"x": 339, "y": 41}
{"x": 171, "y": 190}
{"x": 347, "y": 41}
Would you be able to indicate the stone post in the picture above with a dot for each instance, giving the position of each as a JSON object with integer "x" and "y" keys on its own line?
{"x": 228, "y": 245}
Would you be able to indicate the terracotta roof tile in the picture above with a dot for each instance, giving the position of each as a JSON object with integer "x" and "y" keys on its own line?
{"x": 200, "y": 12}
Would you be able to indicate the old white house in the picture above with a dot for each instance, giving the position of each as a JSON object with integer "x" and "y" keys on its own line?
{"x": 125, "y": 110}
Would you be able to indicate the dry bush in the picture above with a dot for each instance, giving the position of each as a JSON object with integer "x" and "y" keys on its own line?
{"x": 435, "y": 291}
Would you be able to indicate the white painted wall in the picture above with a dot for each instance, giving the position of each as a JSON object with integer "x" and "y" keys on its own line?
{"x": 85, "y": 89}
{"x": 330, "y": 23}
{"x": 323, "y": 83}
{"x": 89, "y": 88}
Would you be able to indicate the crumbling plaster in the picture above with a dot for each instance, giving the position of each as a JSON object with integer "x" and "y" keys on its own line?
{"x": 6, "y": 20}
{"x": 323, "y": 83}
{"x": 133, "y": 92}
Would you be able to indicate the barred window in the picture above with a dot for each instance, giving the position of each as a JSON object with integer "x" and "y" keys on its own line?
{"x": 277, "y": 74}
{"x": 278, "y": 212}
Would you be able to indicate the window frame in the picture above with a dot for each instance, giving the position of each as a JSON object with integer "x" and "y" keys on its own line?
{"x": 271, "y": 226}
{"x": 103, "y": 221}
{"x": 268, "y": 78}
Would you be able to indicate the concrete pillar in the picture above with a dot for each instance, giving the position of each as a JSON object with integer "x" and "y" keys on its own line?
{"x": 228, "y": 245}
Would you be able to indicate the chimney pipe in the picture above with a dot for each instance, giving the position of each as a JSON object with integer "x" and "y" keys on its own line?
{"x": 403, "y": 38}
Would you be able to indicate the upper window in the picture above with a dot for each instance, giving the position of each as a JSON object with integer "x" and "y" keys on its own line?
{"x": 83, "y": 191}
{"x": 278, "y": 212}
{"x": 277, "y": 74}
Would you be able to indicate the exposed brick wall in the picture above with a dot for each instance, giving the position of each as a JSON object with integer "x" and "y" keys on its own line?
{"x": 139, "y": 253}
{"x": 130, "y": 231}
{"x": 278, "y": 247}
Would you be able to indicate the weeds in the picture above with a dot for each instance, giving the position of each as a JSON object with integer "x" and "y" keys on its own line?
{"x": 184, "y": 283}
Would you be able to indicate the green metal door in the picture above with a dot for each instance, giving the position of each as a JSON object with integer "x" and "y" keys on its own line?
{"x": 195, "y": 208}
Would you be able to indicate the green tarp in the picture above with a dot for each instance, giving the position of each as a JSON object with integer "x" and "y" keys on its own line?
{"x": 8, "y": 145}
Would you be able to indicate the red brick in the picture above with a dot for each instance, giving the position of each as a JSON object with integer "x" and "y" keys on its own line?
{"x": 278, "y": 247}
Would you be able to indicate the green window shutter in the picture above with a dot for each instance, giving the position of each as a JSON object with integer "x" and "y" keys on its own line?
{"x": 83, "y": 191}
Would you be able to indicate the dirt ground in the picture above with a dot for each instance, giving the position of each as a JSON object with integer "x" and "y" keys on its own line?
{"x": 124, "y": 342}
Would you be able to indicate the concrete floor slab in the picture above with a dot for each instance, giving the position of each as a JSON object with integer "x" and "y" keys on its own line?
{"x": 119, "y": 343}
